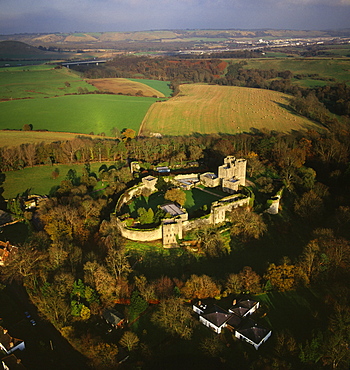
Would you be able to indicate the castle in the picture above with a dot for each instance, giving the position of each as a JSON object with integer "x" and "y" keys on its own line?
{"x": 231, "y": 175}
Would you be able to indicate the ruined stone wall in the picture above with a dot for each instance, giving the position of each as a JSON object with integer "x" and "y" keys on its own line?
{"x": 139, "y": 235}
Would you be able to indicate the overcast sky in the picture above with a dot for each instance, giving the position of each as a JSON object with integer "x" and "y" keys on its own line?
{"x": 42, "y": 16}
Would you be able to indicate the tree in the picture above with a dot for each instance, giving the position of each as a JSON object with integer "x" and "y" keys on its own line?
{"x": 27, "y": 127}
{"x": 212, "y": 346}
{"x": 249, "y": 280}
{"x": 145, "y": 216}
{"x": 200, "y": 287}
{"x": 211, "y": 242}
{"x": 309, "y": 206}
{"x": 176, "y": 195}
{"x": 233, "y": 284}
{"x": 129, "y": 340}
{"x": 117, "y": 263}
{"x": 164, "y": 287}
{"x": 146, "y": 289}
{"x": 128, "y": 134}
{"x": 282, "y": 277}
{"x": 174, "y": 317}
{"x": 246, "y": 224}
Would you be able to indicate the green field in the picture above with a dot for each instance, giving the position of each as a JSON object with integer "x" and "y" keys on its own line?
{"x": 76, "y": 113}
{"x": 39, "y": 179}
{"x": 161, "y": 86}
{"x": 339, "y": 69}
{"x": 210, "y": 109}
{"x": 39, "y": 81}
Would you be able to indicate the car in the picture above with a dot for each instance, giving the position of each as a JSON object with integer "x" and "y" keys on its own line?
{"x": 29, "y": 317}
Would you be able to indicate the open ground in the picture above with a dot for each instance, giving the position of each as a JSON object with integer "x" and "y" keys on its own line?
{"x": 208, "y": 109}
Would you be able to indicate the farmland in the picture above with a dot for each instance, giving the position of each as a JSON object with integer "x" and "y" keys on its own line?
{"x": 77, "y": 113}
{"x": 210, "y": 109}
{"x": 39, "y": 81}
{"x": 124, "y": 86}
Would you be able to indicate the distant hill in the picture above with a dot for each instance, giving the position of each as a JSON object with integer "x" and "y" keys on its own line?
{"x": 96, "y": 39}
{"x": 17, "y": 50}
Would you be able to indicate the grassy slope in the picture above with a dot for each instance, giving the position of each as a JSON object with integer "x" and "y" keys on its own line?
{"x": 162, "y": 86}
{"x": 39, "y": 179}
{"x": 124, "y": 86}
{"x": 78, "y": 113}
{"x": 210, "y": 109}
{"x": 39, "y": 81}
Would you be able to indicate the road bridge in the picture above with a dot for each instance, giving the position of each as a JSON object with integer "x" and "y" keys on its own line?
{"x": 83, "y": 62}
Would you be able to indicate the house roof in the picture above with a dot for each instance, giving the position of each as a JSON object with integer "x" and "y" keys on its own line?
{"x": 12, "y": 362}
{"x": 5, "y": 217}
{"x": 172, "y": 209}
{"x": 235, "y": 321}
{"x": 216, "y": 315}
{"x": 7, "y": 341}
{"x": 243, "y": 306}
{"x": 253, "y": 332}
{"x": 112, "y": 316}
{"x": 239, "y": 311}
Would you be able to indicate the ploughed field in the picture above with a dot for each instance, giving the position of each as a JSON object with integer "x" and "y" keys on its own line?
{"x": 208, "y": 109}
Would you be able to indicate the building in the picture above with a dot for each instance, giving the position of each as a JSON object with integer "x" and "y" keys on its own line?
{"x": 150, "y": 182}
{"x": 237, "y": 319}
{"x": 113, "y": 317}
{"x": 9, "y": 344}
{"x": 210, "y": 180}
{"x": 232, "y": 174}
{"x": 6, "y": 251}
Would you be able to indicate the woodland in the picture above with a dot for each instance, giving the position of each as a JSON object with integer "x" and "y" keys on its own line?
{"x": 74, "y": 263}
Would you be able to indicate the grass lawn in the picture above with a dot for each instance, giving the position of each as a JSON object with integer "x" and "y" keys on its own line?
{"x": 77, "y": 113}
{"x": 299, "y": 311}
{"x": 39, "y": 81}
{"x": 39, "y": 179}
{"x": 195, "y": 199}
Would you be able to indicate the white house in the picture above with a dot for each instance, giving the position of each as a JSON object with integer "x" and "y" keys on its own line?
{"x": 9, "y": 344}
{"x": 236, "y": 319}
{"x": 253, "y": 334}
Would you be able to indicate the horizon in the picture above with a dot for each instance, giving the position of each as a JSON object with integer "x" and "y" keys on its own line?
{"x": 41, "y": 16}
{"x": 182, "y": 29}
